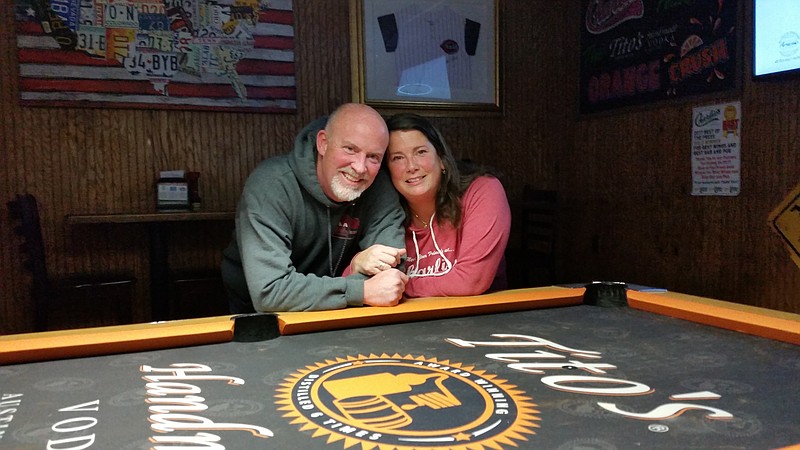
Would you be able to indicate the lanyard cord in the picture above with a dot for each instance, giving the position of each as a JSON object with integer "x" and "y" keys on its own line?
{"x": 330, "y": 248}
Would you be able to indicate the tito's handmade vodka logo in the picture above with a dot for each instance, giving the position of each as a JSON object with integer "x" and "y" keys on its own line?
{"x": 405, "y": 402}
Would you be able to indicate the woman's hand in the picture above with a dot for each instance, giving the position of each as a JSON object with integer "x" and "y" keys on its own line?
{"x": 376, "y": 259}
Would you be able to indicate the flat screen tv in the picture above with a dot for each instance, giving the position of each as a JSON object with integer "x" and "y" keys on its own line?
{"x": 776, "y": 43}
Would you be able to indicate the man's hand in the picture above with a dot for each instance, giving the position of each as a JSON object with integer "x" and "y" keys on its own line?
{"x": 377, "y": 259}
{"x": 385, "y": 289}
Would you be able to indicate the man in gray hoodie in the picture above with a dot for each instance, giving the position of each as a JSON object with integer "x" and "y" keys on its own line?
{"x": 303, "y": 216}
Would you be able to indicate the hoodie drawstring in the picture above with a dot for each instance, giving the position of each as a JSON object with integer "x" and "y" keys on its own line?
{"x": 415, "y": 273}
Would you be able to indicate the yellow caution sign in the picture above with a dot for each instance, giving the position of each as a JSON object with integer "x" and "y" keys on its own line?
{"x": 785, "y": 219}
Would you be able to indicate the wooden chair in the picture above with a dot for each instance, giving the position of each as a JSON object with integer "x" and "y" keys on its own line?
{"x": 70, "y": 301}
{"x": 539, "y": 227}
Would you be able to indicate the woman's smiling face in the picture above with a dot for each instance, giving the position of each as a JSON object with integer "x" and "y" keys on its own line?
{"x": 414, "y": 165}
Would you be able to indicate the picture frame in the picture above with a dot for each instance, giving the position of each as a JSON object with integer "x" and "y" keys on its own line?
{"x": 426, "y": 55}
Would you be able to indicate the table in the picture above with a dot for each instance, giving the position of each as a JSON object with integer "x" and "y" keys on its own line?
{"x": 529, "y": 368}
{"x": 158, "y": 244}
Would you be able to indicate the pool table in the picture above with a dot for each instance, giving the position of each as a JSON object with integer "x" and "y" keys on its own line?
{"x": 530, "y": 368}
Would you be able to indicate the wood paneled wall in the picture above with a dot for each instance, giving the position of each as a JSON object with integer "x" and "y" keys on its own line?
{"x": 77, "y": 160}
{"x": 630, "y": 214}
{"x": 624, "y": 178}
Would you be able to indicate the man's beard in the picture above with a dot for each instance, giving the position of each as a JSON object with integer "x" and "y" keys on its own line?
{"x": 346, "y": 193}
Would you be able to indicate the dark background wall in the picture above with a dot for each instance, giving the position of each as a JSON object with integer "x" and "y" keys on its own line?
{"x": 624, "y": 178}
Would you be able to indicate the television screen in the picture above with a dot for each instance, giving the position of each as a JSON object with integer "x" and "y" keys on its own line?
{"x": 776, "y": 44}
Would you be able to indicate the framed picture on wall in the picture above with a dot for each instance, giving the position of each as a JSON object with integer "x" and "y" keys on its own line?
{"x": 429, "y": 55}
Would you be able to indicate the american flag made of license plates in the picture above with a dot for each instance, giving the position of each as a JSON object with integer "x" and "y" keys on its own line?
{"x": 231, "y": 55}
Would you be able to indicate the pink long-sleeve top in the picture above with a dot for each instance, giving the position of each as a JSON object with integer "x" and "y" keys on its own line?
{"x": 444, "y": 261}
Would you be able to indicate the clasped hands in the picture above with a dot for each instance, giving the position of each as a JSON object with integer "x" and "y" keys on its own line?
{"x": 377, "y": 259}
{"x": 386, "y": 283}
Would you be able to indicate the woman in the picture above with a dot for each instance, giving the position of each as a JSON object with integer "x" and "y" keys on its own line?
{"x": 457, "y": 216}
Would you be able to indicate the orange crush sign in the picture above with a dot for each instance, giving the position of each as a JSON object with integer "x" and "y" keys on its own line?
{"x": 785, "y": 219}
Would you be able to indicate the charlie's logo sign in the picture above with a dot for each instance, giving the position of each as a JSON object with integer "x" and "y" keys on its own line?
{"x": 603, "y": 15}
{"x": 405, "y": 402}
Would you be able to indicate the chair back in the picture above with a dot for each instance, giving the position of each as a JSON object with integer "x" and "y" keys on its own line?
{"x": 539, "y": 225}
{"x": 25, "y": 210}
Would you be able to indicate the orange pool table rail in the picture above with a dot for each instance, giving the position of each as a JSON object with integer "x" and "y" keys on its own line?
{"x": 24, "y": 348}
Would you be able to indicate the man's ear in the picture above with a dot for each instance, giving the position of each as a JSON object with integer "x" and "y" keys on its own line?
{"x": 322, "y": 142}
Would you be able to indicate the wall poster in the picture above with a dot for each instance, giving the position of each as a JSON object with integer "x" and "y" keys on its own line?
{"x": 223, "y": 55}
{"x": 716, "y": 143}
{"x": 639, "y": 51}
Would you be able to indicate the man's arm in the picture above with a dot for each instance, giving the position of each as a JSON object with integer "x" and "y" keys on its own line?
{"x": 266, "y": 239}
{"x": 273, "y": 222}
{"x": 273, "y": 281}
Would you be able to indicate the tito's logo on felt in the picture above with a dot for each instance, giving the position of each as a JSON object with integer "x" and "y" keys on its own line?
{"x": 406, "y": 402}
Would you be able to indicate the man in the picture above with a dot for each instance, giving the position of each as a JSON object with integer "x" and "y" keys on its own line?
{"x": 303, "y": 216}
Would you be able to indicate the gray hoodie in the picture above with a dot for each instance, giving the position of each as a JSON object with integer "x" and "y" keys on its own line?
{"x": 292, "y": 242}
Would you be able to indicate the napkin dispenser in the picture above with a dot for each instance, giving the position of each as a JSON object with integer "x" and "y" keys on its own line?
{"x": 172, "y": 191}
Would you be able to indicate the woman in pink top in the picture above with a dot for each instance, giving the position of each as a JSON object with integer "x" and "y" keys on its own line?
{"x": 457, "y": 216}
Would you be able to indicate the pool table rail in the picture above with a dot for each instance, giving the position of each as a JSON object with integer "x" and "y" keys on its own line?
{"x": 46, "y": 346}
